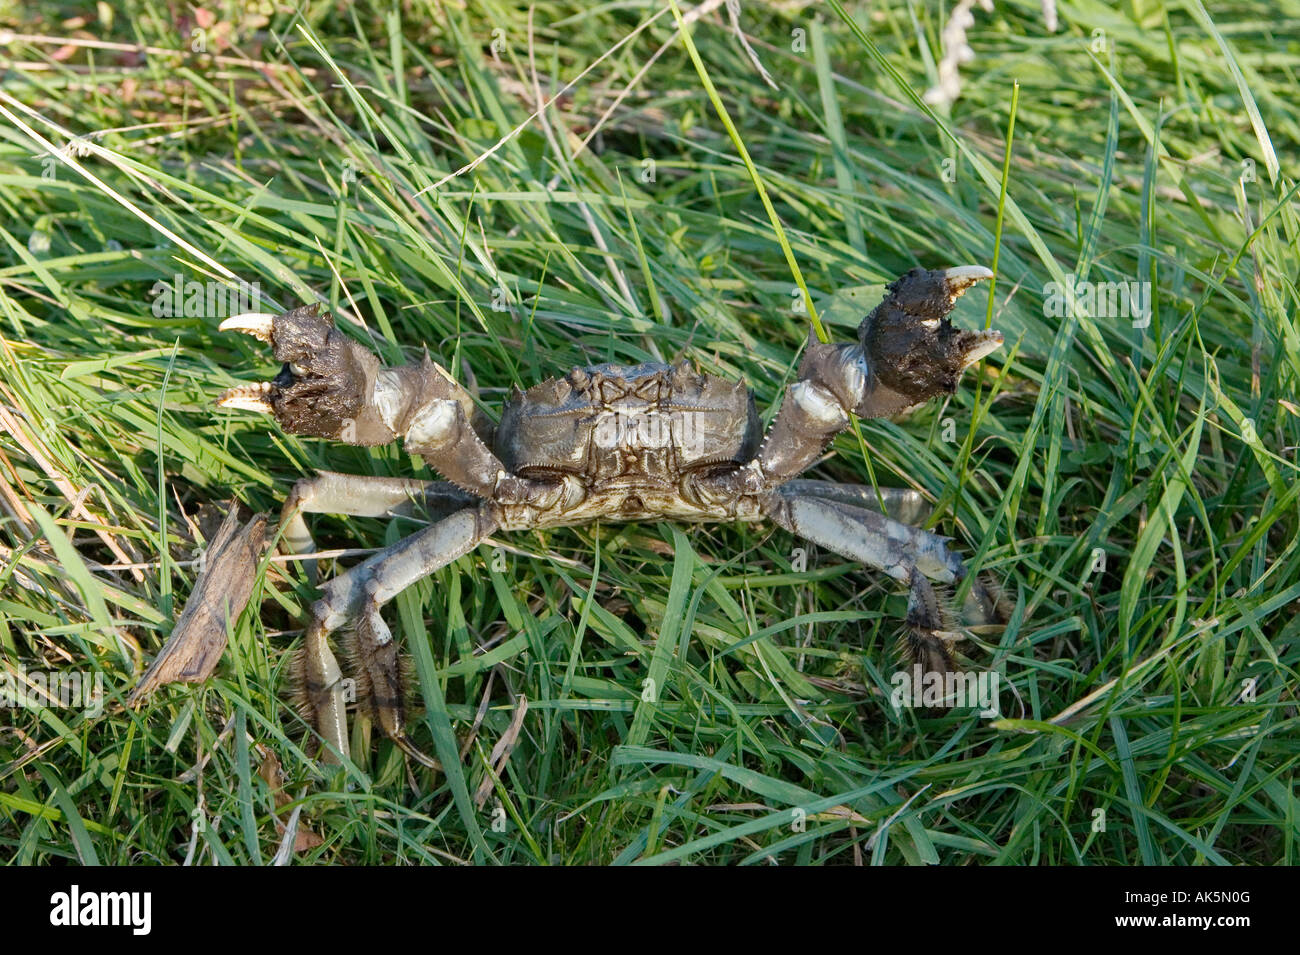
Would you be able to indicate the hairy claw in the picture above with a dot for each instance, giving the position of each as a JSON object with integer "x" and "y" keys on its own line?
{"x": 907, "y": 352}
{"x": 326, "y": 384}
{"x": 911, "y": 346}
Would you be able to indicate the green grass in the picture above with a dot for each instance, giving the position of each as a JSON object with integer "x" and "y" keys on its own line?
{"x": 1133, "y": 488}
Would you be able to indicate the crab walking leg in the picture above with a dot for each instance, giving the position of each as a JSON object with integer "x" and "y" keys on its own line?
{"x": 984, "y": 605}
{"x": 330, "y": 492}
{"x": 357, "y": 597}
{"x": 320, "y": 682}
{"x": 901, "y": 504}
{"x": 907, "y": 554}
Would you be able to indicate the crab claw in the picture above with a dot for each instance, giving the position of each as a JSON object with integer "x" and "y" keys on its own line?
{"x": 907, "y": 351}
{"x": 326, "y": 385}
{"x": 912, "y": 347}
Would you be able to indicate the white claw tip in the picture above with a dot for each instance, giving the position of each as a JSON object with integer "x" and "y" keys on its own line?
{"x": 257, "y": 324}
{"x": 248, "y": 398}
{"x": 966, "y": 275}
{"x": 990, "y": 342}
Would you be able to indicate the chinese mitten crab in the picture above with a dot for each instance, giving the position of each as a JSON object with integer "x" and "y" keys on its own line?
{"x": 609, "y": 442}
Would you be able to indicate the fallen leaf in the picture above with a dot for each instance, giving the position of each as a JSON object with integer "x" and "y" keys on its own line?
{"x": 220, "y": 594}
{"x": 501, "y": 753}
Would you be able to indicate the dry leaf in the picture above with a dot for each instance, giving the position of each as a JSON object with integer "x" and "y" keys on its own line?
{"x": 220, "y": 594}
{"x": 501, "y": 753}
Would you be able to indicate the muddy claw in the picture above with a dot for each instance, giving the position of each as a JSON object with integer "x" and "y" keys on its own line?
{"x": 326, "y": 385}
{"x": 913, "y": 348}
{"x": 907, "y": 351}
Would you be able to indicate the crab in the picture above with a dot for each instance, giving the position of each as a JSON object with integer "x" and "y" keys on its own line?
{"x": 611, "y": 443}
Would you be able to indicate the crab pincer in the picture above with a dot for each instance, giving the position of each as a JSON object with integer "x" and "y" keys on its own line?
{"x": 326, "y": 385}
{"x": 913, "y": 348}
